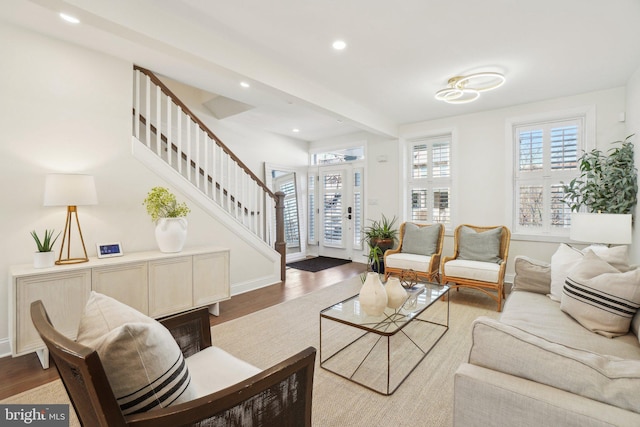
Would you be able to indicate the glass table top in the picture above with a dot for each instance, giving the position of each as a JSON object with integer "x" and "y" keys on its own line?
{"x": 420, "y": 297}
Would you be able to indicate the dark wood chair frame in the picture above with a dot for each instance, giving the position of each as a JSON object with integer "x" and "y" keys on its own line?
{"x": 493, "y": 290}
{"x": 88, "y": 388}
{"x": 432, "y": 274}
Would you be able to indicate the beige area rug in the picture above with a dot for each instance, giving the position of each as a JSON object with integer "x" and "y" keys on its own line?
{"x": 266, "y": 337}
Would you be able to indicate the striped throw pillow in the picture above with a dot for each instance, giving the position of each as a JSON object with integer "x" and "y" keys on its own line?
{"x": 601, "y": 298}
{"x": 142, "y": 361}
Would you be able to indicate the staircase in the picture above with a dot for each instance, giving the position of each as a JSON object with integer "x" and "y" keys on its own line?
{"x": 172, "y": 141}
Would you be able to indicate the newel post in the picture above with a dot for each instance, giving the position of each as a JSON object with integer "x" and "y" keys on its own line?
{"x": 281, "y": 245}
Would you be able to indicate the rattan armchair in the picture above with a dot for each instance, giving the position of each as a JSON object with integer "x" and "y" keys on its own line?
{"x": 280, "y": 395}
{"x": 487, "y": 277}
{"x": 399, "y": 261}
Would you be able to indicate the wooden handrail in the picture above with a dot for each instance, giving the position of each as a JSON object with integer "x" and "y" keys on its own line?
{"x": 174, "y": 148}
{"x": 204, "y": 127}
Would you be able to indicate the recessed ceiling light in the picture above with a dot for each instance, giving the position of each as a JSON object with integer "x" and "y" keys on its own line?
{"x": 295, "y": 130}
{"x": 69, "y": 18}
{"x": 339, "y": 44}
{"x": 245, "y": 84}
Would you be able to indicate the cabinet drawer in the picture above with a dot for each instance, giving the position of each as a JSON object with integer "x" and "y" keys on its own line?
{"x": 126, "y": 282}
{"x": 170, "y": 286}
{"x": 64, "y": 295}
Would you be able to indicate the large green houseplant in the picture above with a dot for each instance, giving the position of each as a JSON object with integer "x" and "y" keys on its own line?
{"x": 380, "y": 236}
{"x": 381, "y": 233}
{"x": 608, "y": 182}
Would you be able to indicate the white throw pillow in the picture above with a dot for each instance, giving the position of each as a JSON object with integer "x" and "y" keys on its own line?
{"x": 566, "y": 257}
{"x": 614, "y": 255}
{"x": 601, "y": 298}
{"x": 562, "y": 261}
{"x": 142, "y": 361}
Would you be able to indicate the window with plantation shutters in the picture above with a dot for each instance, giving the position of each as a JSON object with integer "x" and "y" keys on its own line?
{"x": 546, "y": 156}
{"x": 430, "y": 180}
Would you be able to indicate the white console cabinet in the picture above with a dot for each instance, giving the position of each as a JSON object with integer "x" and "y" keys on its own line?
{"x": 155, "y": 283}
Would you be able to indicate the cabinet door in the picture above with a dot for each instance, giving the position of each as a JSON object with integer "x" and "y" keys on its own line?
{"x": 170, "y": 285}
{"x": 64, "y": 295}
{"x": 125, "y": 282}
{"x": 210, "y": 278}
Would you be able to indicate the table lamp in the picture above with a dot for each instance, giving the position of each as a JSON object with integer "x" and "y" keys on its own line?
{"x": 70, "y": 190}
{"x": 601, "y": 228}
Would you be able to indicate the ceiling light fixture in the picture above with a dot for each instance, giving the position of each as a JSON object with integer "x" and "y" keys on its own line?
{"x": 69, "y": 18}
{"x": 245, "y": 85}
{"x": 339, "y": 44}
{"x": 464, "y": 89}
{"x": 295, "y": 130}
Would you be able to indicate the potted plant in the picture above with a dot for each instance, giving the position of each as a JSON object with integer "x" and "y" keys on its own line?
{"x": 381, "y": 233}
{"x": 607, "y": 183}
{"x": 605, "y": 193}
{"x": 380, "y": 236}
{"x": 376, "y": 259}
{"x": 169, "y": 216}
{"x": 44, "y": 257}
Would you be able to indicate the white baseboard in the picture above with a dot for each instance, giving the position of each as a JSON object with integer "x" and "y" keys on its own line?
{"x": 5, "y": 347}
{"x": 240, "y": 288}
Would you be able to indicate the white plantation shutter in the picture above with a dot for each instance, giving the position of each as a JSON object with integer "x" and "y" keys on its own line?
{"x": 430, "y": 180}
{"x": 546, "y": 155}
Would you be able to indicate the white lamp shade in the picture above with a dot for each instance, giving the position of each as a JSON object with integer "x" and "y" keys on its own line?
{"x": 601, "y": 228}
{"x": 69, "y": 190}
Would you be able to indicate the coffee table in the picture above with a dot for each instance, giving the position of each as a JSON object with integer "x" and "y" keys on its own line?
{"x": 380, "y": 352}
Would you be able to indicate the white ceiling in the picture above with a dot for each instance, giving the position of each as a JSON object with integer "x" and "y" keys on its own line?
{"x": 398, "y": 55}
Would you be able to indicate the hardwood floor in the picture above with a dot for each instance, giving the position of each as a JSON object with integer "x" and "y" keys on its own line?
{"x": 24, "y": 372}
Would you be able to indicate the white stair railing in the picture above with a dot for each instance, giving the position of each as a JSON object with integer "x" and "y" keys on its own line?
{"x": 172, "y": 132}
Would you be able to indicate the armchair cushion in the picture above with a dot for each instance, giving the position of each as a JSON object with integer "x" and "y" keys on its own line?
{"x": 408, "y": 261}
{"x": 601, "y": 298}
{"x": 473, "y": 270}
{"x": 213, "y": 369}
{"x": 483, "y": 246}
{"x": 142, "y": 361}
{"x": 420, "y": 240}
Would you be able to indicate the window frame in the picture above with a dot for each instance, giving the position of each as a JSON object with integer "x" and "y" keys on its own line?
{"x": 586, "y": 117}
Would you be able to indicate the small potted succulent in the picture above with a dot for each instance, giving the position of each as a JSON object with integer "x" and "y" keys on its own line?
{"x": 169, "y": 216}
{"x": 45, "y": 256}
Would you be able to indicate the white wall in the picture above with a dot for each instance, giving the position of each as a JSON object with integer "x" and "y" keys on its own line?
{"x": 68, "y": 109}
{"x": 633, "y": 127}
{"x": 480, "y": 170}
{"x": 253, "y": 147}
{"x": 480, "y": 157}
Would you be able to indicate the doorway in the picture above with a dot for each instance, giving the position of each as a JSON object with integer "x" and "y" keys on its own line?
{"x": 340, "y": 193}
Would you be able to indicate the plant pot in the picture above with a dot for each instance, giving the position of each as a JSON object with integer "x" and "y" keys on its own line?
{"x": 375, "y": 268}
{"x": 171, "y": 234}
{"x": 44, "y": 259}
{"x": 373, "y": 296}
{"x": 383, "y": 244}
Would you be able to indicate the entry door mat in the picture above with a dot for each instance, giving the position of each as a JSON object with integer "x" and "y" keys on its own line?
{"x": 318, "y": 263}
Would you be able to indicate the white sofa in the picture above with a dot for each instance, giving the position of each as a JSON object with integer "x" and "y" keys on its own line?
{"x": 537, "y": 366}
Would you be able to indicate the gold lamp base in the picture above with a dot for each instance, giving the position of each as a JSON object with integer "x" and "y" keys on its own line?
{"x": 66, "y": 239}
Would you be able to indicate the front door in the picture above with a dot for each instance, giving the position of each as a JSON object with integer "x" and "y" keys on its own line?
{"x": 340, "y": 210}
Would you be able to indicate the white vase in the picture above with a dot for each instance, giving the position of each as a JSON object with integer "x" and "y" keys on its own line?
{"x": 44, "y": 259}
{"x": 373, "y": 297}
{"x": 396, "y": 294}
{"x": 171, "y": 233}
